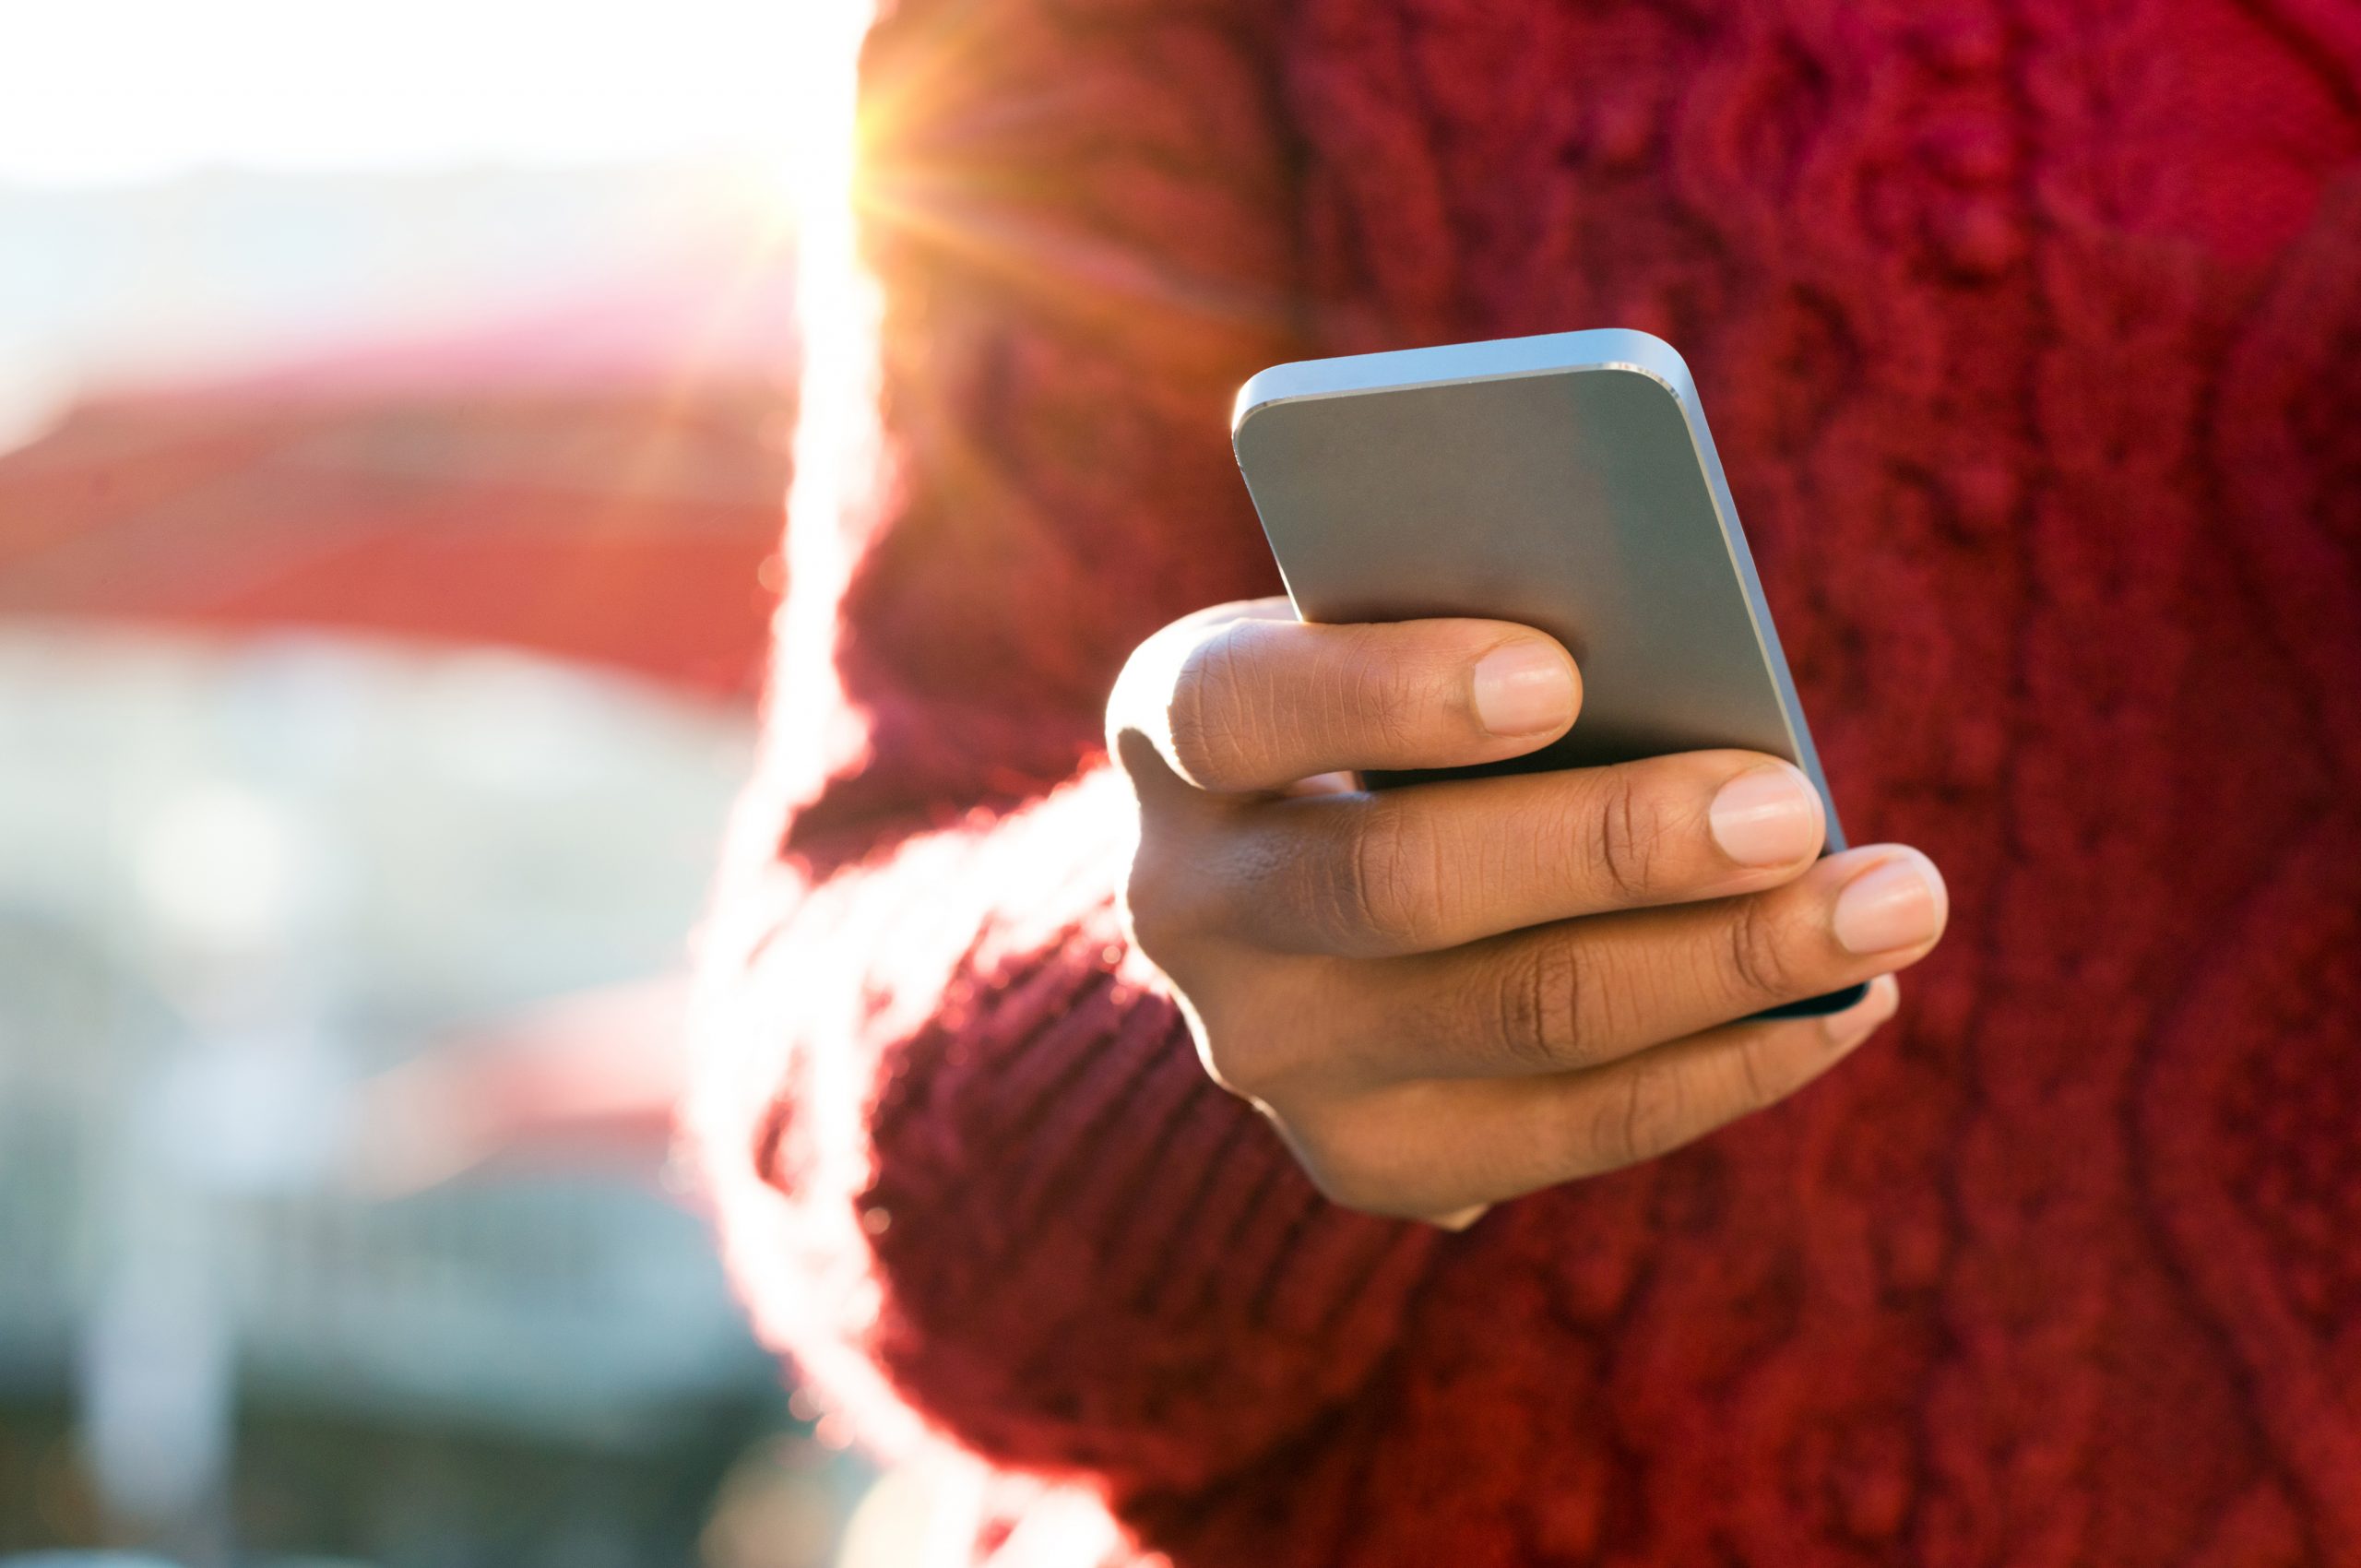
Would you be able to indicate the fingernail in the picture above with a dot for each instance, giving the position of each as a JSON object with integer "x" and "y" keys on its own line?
{"x": 1767, "y": 817}
{"x": 1862, "y": 1019}
{"x": 1525, "y": 688}
{"x": 1898, "y": 902}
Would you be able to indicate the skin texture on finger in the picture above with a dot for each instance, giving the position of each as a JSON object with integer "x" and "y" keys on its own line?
{"x": 1585, "y": 992}
{"x": 1432, "y": 866}
{"x": 1241, "y": 704}
{"x": 1442, "y": 1151}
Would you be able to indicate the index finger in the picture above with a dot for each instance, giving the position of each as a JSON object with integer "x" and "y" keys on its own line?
{"x": 1249, "y": 703}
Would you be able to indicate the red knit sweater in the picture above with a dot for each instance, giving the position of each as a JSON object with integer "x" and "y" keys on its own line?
{"x": 2031, "y": 334}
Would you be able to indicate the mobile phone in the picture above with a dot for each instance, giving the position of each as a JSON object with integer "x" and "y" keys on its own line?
{"x": 1566, "y": 482}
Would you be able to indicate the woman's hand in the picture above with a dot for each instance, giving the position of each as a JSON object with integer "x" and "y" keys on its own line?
{"x": 1454, "y": 992}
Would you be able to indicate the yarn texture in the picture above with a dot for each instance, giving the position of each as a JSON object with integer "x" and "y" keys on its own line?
{"x": 2031, "y": 338}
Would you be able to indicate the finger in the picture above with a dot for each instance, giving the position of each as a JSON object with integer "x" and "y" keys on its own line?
{"x": 1435, "y": 865}
{"x": 1234, "y": 703}
{"x": 1439, "y": 1151}
{"x": 1585, "y": 992}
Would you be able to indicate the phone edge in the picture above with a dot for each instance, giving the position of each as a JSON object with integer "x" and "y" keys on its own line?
{"x": 1608, "y": 348}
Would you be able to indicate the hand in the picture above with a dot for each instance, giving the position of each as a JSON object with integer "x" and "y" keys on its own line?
{"x": 1452, "y": 992}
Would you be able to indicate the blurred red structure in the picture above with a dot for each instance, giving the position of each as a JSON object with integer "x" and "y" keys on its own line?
{"x": 603, "y": 483}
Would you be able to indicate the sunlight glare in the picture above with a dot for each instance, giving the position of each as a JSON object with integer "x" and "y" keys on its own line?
{"x": 838, "y": 443}
{"x": 110, "y": 90}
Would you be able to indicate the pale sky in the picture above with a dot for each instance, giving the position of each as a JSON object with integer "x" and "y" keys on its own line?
{"x": 110, "y": 90}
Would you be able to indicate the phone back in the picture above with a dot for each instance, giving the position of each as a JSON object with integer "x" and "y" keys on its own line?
{"x": 1566, "y": 482}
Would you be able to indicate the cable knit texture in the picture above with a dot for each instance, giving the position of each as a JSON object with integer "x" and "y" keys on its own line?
{"x": 2031, "y": 334}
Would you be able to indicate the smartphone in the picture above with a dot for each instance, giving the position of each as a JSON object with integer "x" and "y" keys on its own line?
{"x": 1566, "y": 482}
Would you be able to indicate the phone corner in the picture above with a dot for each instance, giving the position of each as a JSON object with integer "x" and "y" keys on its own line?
{"x": 1647, "y": 354}
{"x": 1260, "y": 391}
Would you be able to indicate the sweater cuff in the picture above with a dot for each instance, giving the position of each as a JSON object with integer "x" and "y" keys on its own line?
{"x": 1072, "y": 1250}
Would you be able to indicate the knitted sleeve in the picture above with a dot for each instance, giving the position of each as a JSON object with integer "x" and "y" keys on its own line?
{"x": 969, "y": 1171}
{"x": 973, "y": 1178}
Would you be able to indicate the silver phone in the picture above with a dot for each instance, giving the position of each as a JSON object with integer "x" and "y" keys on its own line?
{"x": 1566, "y": 482}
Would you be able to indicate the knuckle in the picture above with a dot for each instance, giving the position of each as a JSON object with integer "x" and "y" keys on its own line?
{"x": 1539, "y": 1007}
{"x": 1761, "y": 1083}
{"x": 1238, "y": 1061}
{"x": 1230, "y": 1016}
{"x": 1344, "y": 1151}
{"x": 1170, "y": 899}
{"x": 1637, "y": 1118}
{"x": 1147, "y": 914}
{"x": 1385, "y": 699}
{"x": 1352, "y": 1179}
{"x": 1346, "y": 1184}
{"x": 1209, "y": 715}
{"x": 1392, "y": 879}
{"x": 1630, "y": 837}
{"x": 1157, "y": 923}
{"x": 1758, "y": 955}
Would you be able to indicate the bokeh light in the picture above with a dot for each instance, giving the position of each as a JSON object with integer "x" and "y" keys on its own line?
{"x": 394, "y": 426}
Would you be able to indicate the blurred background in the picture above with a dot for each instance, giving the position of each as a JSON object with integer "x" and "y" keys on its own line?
{"x": 394, "y": 405}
